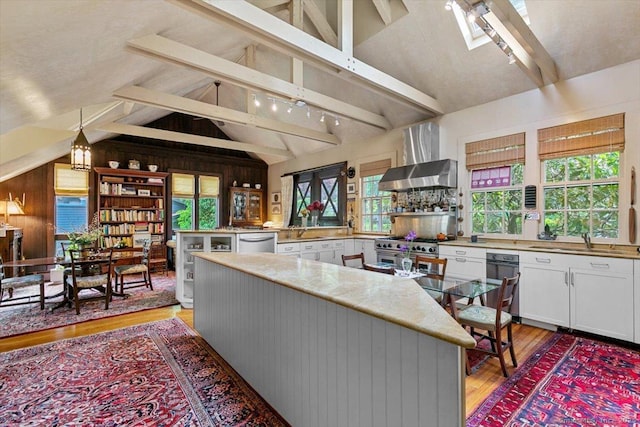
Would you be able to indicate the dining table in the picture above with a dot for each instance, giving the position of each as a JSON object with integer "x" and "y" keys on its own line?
{"x": 118, "y": 258}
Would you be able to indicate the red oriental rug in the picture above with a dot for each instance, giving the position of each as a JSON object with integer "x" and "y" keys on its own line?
{"x": 155, "y": 374}
{"x": 568, "y": 381}
{"x": 21, "y": 319}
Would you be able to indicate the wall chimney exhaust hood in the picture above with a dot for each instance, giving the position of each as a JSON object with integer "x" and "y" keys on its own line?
{"x": 423, "y": 168}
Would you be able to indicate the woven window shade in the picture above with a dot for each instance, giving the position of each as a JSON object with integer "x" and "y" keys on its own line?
{"x": 69, "y": 182}
{"x": 209, "y": 186}
{"x": 183, "y": 185}
{"x": 378, "y": 167}
{"x": 493, "y": 152}
{"x": 592, "y": 136}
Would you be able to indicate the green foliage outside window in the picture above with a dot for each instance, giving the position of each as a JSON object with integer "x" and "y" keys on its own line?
{"x": 499, "y": 210}
{"x": 374, "y": 206}
{"x": 581, "y": 194}
{"x": 207, "y": 213}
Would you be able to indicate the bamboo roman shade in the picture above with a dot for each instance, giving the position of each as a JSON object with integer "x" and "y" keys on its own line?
{"x": 492, "y": 152}
{"x": 209, "y": 186}
{"x": 69, "y": 182}
{"x": 183, "y": 185}
{"x": 378, "y": 167}
{"x": 591, "y": 136}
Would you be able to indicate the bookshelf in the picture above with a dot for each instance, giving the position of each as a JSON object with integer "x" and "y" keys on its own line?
{"x": 131, "y": 206}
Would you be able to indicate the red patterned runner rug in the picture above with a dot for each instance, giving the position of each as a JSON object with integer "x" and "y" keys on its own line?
{"x": 568, "y": 381}
{"x": 21, "y": 319}
{"x": 159, "y": 373}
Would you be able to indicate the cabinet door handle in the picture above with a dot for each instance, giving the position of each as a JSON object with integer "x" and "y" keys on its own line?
{"x": 461, "y": 260}
{"x": 566, "y": 278}
{"x": 543, "y": 260}
{"x": 461, "y": 252}
{"x": 573, "y": 283}
{"x": 601, "y": 266}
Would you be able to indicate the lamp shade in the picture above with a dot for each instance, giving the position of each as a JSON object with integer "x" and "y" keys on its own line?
{"x": 81, "y": 153}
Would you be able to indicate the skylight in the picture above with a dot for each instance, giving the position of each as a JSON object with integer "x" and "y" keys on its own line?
{"x": 473, "y": 34}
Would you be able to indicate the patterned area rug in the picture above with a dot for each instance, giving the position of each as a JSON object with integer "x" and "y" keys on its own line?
{"x": 22, "y": 319}
{"x": 159, "y": 374}
{"x": 568, "y": 381}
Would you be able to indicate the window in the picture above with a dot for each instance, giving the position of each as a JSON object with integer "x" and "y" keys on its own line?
{"x": 496, "y": 209}
{"x": 374, "y": 203}
{"x": 581, "y": 195}
{"x": 71, "y": 201}
{"x": 194, "y": 208}
{"x": 327, "y": 185}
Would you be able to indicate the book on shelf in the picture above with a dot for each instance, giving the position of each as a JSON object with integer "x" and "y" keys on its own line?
{"x": 155, "y": 181}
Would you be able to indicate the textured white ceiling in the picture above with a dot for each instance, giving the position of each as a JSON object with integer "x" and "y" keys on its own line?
{"x": 58, "y": 56}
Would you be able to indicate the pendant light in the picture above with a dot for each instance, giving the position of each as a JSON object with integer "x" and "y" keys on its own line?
{"x": 81, "y": 151}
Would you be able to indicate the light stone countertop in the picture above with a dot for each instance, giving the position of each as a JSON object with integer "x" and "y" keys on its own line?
{"x": 394, "y": 299}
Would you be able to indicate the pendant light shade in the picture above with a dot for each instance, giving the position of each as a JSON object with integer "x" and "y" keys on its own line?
{"x": 81, "y": 151}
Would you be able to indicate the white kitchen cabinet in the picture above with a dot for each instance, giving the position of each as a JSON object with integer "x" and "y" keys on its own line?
{"x": 636, "y": 293}
{"x": 544, "y": 288}
{"x": 349, "y": 247}
{"x": 464, "y": 262}
{"x": 326, "y": 252}
{"x": 338, "y": 251}
{"x": 290, "y": 249}
{"x": 586, "y": 293}
{"x": 308, "y": 250}
{"x": 367, "y": 247}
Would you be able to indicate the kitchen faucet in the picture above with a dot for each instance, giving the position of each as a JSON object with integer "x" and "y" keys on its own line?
{"x": 587, "y": 240}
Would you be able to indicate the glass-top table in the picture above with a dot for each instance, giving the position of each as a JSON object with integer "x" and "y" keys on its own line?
{"x": 459, "y": 288}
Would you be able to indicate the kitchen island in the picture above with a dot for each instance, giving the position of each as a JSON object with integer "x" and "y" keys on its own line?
{"x": 330, "y": 345}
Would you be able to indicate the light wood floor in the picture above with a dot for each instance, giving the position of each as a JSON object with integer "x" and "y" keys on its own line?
{"x": 478, "y": 386}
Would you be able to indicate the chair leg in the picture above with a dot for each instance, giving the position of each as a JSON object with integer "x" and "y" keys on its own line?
{"x": 107, "y": 294}
{"x": 501, "y": 352}
{"x": 76, "y": 299}
{"x": 148, "y": 278}
{"x": 511, "y": 348}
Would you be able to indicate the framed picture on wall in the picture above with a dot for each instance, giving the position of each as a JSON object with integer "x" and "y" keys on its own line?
{"x": 276, "y": 209}
{"x": 275, "y": 197}
{"x": 351, "y": 187}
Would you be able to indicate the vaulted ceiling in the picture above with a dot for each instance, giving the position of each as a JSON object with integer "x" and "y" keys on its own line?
{"x": 366, "y": 66}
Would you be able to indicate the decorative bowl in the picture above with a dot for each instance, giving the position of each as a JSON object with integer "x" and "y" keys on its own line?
{"x": 134, "y": 164}
{"x": 153, "y": 168}
{"x": 113, "y": 164}
{"x": 258, "y": 186}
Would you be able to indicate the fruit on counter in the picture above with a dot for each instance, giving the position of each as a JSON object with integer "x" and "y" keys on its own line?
{"x": 441, "y": 236}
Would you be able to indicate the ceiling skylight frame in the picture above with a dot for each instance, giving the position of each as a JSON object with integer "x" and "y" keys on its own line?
{"x": 473, "y": 35}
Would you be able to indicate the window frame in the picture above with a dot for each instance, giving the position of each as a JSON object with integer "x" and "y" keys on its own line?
{"x": 193, "y": 194}
{"x": 388, "y": 195}
{"x": 315, "y": 177}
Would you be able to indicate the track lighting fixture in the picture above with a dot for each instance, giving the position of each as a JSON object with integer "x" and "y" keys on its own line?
{"x": 322, "y": 118}
{"x": 256, "y": 102}
{"x": 289, "y": 109}
{"x": 337, "y": 122}
{"x": 448, "y": 5}
{"x": 512, "y": 58}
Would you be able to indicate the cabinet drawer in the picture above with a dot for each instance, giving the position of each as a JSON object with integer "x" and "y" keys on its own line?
{"x": 309, "y": 247}
{"x": 338, "y": 244}
{"x": 545, "y": 259}
{"x": 446, "y": 251}
{"x": 601, "y": 264}
{"x": 325, "y": 245}
{"x": 288, "y": 247}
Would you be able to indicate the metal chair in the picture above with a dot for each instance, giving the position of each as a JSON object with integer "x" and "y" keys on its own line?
{"x": 493, "y": 321}
{"x": 134, "y": 269}
{"x": 11, "y": 283}
{"x": 90, "y": 272}
{"x": 346, "y": 258}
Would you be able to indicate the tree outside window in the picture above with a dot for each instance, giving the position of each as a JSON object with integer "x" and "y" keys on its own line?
{"x": 499, "y": 210}
{"x": 194, "y": 207}
{"x": 375, "y": 205}
{"x": 581, "y": 194}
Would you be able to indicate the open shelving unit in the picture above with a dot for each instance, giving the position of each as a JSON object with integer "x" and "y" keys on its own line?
{"x": 131, "y": 206}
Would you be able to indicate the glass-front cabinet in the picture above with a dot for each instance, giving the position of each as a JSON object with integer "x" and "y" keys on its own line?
{"x": 246, "y": 206}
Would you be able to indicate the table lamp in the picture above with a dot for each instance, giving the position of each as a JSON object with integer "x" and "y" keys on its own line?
{"x": 10, "y": 207}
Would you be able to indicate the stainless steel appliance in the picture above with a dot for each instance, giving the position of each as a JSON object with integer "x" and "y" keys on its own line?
{"x": 501, "y": 265}
{"x": 257, "y": 242}
{"x": 388, "y": 249}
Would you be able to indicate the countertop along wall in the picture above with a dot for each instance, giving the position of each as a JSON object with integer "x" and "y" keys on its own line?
{"x": 605, "y": 92}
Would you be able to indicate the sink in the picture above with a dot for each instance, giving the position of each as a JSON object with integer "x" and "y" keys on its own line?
{"x": 583, "y": 250}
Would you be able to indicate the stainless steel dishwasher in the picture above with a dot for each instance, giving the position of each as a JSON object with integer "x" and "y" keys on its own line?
{"x": 501, "y": 265}
{"x": 257, "y": 242}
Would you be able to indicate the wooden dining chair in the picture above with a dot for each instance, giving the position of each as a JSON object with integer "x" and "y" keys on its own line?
{"x": 9, "y": 284}
{"x": 90, "y": 273}
{"x": 142, "y": 269}
{"x": 385, "y": 270}
{"x": 435, "y": 269}
{"x": 347, "y": 258}
{"x": 492, "y": 321}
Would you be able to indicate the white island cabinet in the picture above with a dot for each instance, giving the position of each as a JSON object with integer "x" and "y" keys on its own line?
{"x": 327, "y": 345}
{"x": 587, "y": 293}
{"x": 189, "y": 242}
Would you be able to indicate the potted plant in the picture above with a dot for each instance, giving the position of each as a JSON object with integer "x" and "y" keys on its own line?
{"x": 304, "y": 212}
{"x": 315, "y": 208}
{"x": 406, "y": 251}
{"x": 87, "y": 236}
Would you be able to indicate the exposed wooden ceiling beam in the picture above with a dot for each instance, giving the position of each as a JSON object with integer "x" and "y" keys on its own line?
{"x": 503, "y": 17}
{"x": 164, "y": 49}
{"x": 201, "y": 109}
{"x": 279, "y": 35}
{"x": 145, "y": 132}
{"x": 319, "y": 21}
{"x": 384, "y": 10}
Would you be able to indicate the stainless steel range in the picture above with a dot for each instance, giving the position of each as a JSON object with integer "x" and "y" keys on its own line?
{"x": 388, "y": 249}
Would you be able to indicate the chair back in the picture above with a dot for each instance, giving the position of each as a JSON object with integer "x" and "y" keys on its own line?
{"x": 97, "y": 265}
{"x": 436, "y": 266}
{"x": 1, "y": 268}
{"x": 385, "y": 270}
{"x": 353, "y": 257}
{"x": 146, "y": 250}
{"x": 505, "y": 295}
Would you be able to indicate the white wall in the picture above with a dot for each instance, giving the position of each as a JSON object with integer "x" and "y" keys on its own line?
{"x": 601, "y": 93}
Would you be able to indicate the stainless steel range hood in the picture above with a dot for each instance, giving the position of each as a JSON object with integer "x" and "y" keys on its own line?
{"x": 422, "y": 166}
